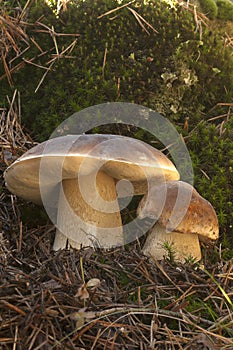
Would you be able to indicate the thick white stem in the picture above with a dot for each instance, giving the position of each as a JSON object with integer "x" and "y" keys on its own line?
{"x": 60, "y": 241}
{"x": 184, "y": 245}
{"x": 88, "y": 221}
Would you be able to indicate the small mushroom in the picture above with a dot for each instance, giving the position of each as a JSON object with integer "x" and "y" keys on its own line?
{"x": 183, "y": 218}
{"x": 81, "y": 176}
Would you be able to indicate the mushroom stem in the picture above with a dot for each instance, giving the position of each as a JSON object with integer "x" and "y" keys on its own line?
{"x": 88, "y": 221}
{"x": 60, "y": 241}
{"x": 184, "y": 245}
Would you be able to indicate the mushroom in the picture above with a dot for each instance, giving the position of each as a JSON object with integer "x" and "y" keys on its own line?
{"x": 183, "y": 218}
{"x": 77, "y": 177}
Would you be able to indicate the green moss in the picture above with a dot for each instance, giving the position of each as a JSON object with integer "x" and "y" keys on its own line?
{"x": 172, "y": 71}
{"x": 124, "y": 279}
{"x": 199, "y": 307}
{"x": 209, "y": 8}
{"x": 212, "y": 162}
{"x": 171, "y": 253}
{"x": 225, "y": 10}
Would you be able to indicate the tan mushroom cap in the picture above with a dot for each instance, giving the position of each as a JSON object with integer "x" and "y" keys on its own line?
{"x": 200, "y": 217}
{"x": 64, "y": 157}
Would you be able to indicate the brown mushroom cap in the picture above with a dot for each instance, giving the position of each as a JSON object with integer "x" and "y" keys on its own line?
{"x": 200, "y": 217}
{"x": 64, "y": 157}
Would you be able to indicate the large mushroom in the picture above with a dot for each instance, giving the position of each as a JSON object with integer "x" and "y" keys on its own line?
{"x": 183, "y": 218}
{"x": 81, "y": 177}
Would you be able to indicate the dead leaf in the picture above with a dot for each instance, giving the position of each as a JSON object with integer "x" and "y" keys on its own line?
{"x": 93, "y": 283}
{"x": 82, "y": 316}
{"x": 82, "y": 292}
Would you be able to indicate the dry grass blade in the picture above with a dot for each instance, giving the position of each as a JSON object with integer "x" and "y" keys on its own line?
{"x": 7, "y": 71}
{"x": 16, "y": 40}
{"x": 53, "y": 60}
{"x": 115, "y": 9}
{"x": 228, "y": 40}
{"x": 13, "y": 140}
{"x": 104, "y": 60}
{"x": 199, "y": 17}
{"x": 142, "y": 21}
{"x": 12, "y": 36}
{"x": 51, "y": 31}
{"x": 44, "y": 75}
